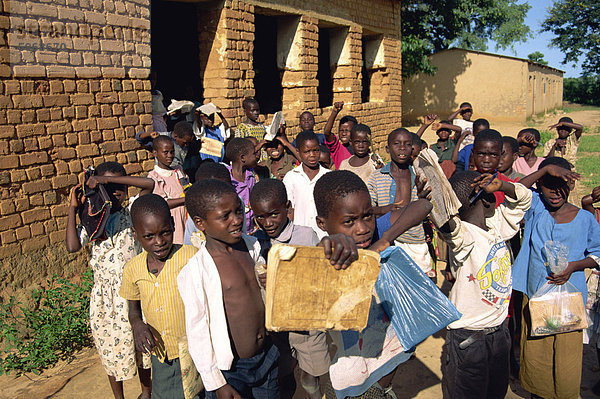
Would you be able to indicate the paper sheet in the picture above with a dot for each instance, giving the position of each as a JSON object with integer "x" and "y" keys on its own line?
{"x": 304, "y": 291}
{"x": 180, "y": 105}
{"x": 207, "y": 109}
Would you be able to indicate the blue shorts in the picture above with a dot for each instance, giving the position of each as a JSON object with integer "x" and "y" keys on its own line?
{"x": 254, "y": 377}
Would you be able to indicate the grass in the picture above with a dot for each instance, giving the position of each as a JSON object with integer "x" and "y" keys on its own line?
{"x": 576, "y": 107}
{"x": 589, "y": 144}
{"x": 588, "y": 167}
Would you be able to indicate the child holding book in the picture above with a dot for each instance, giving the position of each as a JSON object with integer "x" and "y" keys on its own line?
{"x": 111, "y": 332}
{"x": 212, "y": 136}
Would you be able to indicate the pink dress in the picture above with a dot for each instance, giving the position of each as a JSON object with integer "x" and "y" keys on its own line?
{"x": 338, "y": 151}
{"x": 523, "y": 167}
{"x": 167, "y": 184}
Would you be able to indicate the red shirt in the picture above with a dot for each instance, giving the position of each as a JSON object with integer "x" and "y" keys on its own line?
{"x": 499, "y": 194}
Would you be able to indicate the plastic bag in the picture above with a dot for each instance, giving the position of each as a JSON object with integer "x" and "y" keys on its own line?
{"x": 415, "y": 305}
{"x": 557, "y": 308}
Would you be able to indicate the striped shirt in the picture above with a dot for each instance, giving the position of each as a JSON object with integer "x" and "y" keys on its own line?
{"x": 161, "y": 304}
{"x": 382, "y": 188}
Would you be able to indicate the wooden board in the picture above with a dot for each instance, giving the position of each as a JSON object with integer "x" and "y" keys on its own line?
{"x": 304, "y": 291}
{"x": 541, "y": 308}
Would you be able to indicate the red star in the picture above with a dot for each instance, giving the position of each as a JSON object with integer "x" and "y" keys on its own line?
{"x": 471, "y": 277}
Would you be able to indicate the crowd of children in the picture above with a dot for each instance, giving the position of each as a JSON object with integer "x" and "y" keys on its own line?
{"x": 177, "y": 270}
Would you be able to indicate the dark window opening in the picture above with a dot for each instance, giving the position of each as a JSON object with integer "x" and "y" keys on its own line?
{"x": 267, "y": 77}
{"x": 324, "y": 76}
{"x": 365, "y": 93}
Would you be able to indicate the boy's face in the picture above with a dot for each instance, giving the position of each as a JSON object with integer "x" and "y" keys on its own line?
{"x": 206, "y": 120}
{"x": 307, "y": 121}
{"x": 344, "y": 132}
{"x": 478, "y": 128}
{"x": 443, "y": 134}
{"x": 165, "y": 153}
{"x": 467, "y": 114}
{"x": 361, "y": 144}
{"x": 250, "y": 157}
{"x": 271, "y": 215}
{"x": 252, "y": 111}
{"x": 563, "y": 132}
{"x": 310, "y": 153}
{"x": 486, "y": 156}
{"x": 223, "y": 222}
{"x": 116, "y": 192}
{"x": 274, "y": 149}
{"x": 353, "y": 216}
{"x": 400, "y": 147}
{"x": 155, "y": 234}
{"x": 183, "y": 140}
{"x": 507, "y": 158}
{"x": 416, "y": 149}
{"x": 325, "y": 160}
{"x": 554, "y": 190}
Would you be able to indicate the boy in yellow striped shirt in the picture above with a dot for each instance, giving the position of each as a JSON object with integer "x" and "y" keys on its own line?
{"x": 150, "y": 286}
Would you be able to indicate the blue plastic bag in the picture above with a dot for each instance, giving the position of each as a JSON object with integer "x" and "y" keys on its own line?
{"x": 415, "y": 305}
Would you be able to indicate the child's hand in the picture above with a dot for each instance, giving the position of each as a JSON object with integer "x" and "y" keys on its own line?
{"x": 430, "y": 118}
{"x": 423, "y": 190}
{"x": 282, "y": 128}
{"x": 565, "y": 174}
{"x": 560, "y": 279}
{"x": 436, "y": 126}
{"x": 527, "y": 138}
{"x": 93, "y": 181}
{"x": 144, "y": 340}
{"x": 463, "y": 135}
{"x": 555, "y": 126}
{"x": 337, "y": 107}
{"x": 227, "y": 392}
{"x": 76, "y": 197}
{"x": 465, "y": 107}
{"x": 487, "y": 182}
{"x": 596, "y": 194}
{"x": 340, "y": 250}
{"x": 218, "y": 111}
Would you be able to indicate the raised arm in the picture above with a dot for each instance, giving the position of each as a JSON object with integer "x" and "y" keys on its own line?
{"x": 457, "y": 147}
{"x": 144, "y": 183}
{"x": 223, "y": 119}
{"x": 455, "y": 113}
{"x": 588, "y": 200}
{"x": 552, "y": 170}
{"x": 72, "y": 239}
{"x": 577, "y": 128}
{"x": 428, "y": 120}
{"x": 337, "y": 107}
{"x": 405, "y": 218}
{"x": 286, "y": 143}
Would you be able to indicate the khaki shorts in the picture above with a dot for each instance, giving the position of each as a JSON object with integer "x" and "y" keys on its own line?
{"x": 311, "y": 351}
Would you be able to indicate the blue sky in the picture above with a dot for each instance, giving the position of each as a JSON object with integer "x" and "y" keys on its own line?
{"x": 539, "y": 42}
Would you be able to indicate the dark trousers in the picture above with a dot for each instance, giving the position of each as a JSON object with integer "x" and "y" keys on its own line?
{"x": 166, "y": 379}
{"x": 481, "y": 369}
{"x": 254, "y": 377}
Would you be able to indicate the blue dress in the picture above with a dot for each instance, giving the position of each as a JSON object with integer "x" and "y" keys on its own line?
{"x": 581, "y": 236}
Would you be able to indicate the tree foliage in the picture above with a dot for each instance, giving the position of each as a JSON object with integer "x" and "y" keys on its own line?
{"x": 429, "y": 26}
{"x": 538, "y": 57}
{"x": 576, "y": 27}
{"x": 583, "y": 90}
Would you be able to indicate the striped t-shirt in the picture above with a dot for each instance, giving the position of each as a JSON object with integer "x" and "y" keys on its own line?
{"x": 382, "y": 188}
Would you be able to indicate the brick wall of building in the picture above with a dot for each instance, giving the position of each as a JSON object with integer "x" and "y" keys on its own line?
{"x": 75, "y": 90}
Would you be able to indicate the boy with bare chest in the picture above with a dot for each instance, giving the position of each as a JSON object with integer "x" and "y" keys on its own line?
{"x": 224, "y": 311}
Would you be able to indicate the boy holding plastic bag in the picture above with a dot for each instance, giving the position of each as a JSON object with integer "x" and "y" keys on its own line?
{"x": 477, "y": 345}
{"x": 551, "y": 364}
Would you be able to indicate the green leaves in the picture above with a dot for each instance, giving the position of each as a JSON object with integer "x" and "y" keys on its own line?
{"x": 51, "y": 328}
{"x": 429, "y": 26}
{"x": 576, "y": 26}
{"x": 538, "y": 57}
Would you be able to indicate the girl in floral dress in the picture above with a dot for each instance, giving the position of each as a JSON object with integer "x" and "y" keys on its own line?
{"x": 109, "y": 321}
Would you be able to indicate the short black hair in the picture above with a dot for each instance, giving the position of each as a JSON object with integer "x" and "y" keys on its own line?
{"x": 249, "y": 100}
{"x": 512, "y": 143}
{"x": 467, "y": 104}
{"x": 461, "y": 184}
{"x": 156, "y": 142}
{"x": 307, "y": 112}
{"x": 237, "y": 147}
{"x": 149, "y": 204}
{"x": 212, "y": 170}
{"x": 488, "y": 135}
{"x": 111, "y": 167}
{"x": 416, "y": 140}
{"x": 324, "y": 149}
{"x": 205, "y": 195}
{"x": 481, "y": 122}
{"x": 183, "y": 129}
{"x": 533, "y": 131}
{"x": 360, "y": 127}
{"x": 333, "y": 186}
{"x": 558, "y": 161}
{"x": 304, "y": 136}
{"x": 268, "y": 189}
{"x": 348, "y": 118}
{"x": 565, "y": 119}
{"x": 400, "y": 130}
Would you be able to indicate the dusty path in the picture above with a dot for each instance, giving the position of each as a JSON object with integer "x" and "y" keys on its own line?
{"x": 420, "y": 377}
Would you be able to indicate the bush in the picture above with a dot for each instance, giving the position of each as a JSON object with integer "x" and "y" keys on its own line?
{"x": 583, "y": 90}
{"x": 54, "y": 327}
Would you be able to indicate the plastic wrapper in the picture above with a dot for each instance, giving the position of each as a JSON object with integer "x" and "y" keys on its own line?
{"x": 415, "y": 305}
{"x": 557, "y": 308}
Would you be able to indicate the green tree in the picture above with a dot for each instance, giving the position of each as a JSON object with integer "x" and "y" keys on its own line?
{"x": 429, "y": 26}
{"x": 576, "y": 27}
{"x": 538, "y": 57}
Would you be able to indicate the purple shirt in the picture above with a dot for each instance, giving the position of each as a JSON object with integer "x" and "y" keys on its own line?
{"x": 243, "y": 190}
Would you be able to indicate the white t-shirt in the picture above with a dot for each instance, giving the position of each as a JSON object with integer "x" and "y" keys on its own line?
{"x": 468, "y": 126}
{"x": 300, "y": 193}
{"x": 480, "y": 262}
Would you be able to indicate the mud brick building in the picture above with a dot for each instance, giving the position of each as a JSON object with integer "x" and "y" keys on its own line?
{"x": 75, "y": 89}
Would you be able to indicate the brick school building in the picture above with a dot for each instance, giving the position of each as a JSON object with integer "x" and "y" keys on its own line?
{"x": 75, "y": 89}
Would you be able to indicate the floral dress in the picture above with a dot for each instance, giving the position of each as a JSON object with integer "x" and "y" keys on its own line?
{"x": 109, "y": 321}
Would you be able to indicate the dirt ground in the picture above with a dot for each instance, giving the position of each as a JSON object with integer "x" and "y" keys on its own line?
{"x": 420, "y": 377}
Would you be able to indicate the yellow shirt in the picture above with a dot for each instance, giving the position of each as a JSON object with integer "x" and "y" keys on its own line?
{"x": 161, "y": 304}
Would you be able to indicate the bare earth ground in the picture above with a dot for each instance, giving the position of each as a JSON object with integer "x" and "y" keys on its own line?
{"x": 420, "y": 377}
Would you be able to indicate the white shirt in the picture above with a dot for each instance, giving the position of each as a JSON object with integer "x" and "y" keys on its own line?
{"x": 468, "y": 126}
{"x": 300, "y": 193}
{"x": 200, "y": 288}
{"x": 480, "y": 262}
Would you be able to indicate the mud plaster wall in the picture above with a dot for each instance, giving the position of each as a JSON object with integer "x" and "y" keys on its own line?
{"x": 75, "y": 90}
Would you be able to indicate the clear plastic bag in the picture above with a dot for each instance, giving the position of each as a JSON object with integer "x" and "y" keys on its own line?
{"x": 415, "y": 305}
{"x": 557, "y": 308}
